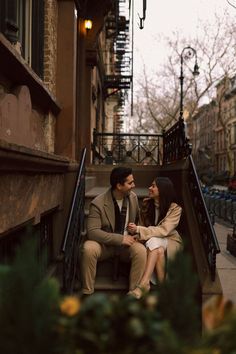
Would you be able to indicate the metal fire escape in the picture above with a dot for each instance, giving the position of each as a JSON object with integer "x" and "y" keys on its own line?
{"x": 119, "y": 62}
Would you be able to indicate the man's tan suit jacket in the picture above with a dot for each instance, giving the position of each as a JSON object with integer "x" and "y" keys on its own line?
{"x": 101, "y": 219}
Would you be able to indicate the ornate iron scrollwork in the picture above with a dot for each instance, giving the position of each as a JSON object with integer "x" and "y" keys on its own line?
{"x": 175, "y": 143}
{"x": 110, "y": 148}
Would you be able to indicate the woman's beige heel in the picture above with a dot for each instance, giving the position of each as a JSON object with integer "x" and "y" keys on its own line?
{"x": 139, "y": 291}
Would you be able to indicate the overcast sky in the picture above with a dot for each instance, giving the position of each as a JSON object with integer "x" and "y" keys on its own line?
{"x": 164, "y": 16}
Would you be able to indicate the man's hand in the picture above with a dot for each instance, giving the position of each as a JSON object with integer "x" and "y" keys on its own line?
{"x": 128, "y": 240}
{"x": 132, "y": 228}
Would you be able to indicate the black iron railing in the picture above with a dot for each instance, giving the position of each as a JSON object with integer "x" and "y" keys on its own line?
{"x": 176, "y": 147}
{"x": 111, "y": 148}
{"x": 151, "y": 149}
{"x": 207, "y": 231}
{"x": 175, "y": 143}
{"x": 74, "y": 230}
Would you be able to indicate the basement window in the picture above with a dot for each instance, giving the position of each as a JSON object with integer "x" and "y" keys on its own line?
{"x": 22, "y": 23}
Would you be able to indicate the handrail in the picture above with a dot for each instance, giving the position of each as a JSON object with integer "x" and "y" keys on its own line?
{"x": 128, "y": 134}
{"x": 207, "y": 232}
{"x": 74, "y": 229}
{"x": 176, "y": 145}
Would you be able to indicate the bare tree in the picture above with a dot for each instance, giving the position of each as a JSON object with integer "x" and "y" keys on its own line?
{"x": 157, "y": 99}
{"x": 157, "y": 104}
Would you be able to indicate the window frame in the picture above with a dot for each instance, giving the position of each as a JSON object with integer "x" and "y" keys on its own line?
{"x": 22, "y": 23}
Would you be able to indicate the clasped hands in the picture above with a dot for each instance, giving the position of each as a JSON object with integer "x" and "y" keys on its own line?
{"x": 132, "y": 228}
{"x": 130, "y": 239}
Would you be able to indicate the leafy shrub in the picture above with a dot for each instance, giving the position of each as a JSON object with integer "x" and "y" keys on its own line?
{"x": 36, "y": 318}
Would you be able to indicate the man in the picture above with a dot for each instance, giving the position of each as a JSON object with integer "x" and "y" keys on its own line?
{"x": 108, "y": 218}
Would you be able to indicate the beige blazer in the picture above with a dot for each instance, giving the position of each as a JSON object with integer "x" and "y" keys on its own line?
{"x": 101, "y": 218}
{"x": 165, "y": 228}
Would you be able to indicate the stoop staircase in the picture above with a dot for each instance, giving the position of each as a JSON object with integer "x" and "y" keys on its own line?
{"x": 195, "y": 227}
{"x": 173, "y": 160}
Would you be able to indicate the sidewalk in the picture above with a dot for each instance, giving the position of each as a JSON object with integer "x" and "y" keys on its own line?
{"x": 226, "y": 263}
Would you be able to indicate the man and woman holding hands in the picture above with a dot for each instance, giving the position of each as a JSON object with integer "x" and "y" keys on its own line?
{"x": 145, "y": 236}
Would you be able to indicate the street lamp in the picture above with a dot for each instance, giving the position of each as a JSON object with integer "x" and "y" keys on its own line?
{"x": 189, "y": 53}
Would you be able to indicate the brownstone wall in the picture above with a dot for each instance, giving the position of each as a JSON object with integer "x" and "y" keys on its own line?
{"x": 50, "y": 65}
{"x": 20, "y": 123}
{"x": 50, "y": 44}
{"x": 27, "y": 197}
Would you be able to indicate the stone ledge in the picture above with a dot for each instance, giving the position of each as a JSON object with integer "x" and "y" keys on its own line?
{"x": 19, "y": 158}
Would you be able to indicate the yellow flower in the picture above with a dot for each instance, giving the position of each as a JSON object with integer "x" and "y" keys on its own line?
{"x": 151, "y": 302}
{"x": 70, "y": 305}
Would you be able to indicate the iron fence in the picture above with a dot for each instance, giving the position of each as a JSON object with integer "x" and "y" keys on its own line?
{"x": 150, "y": 149}
{"x": 111, "y": 148}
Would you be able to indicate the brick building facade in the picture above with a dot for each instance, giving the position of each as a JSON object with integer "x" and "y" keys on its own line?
{"x": 52, "y": 96}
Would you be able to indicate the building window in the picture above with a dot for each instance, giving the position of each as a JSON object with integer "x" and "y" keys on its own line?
{"x": 22, "y": 23}
{"x": 42, "y": 233}
{"x": 24, "y": 17}
{"x": 37, "y": 36}
{"x": 9, "y": 244}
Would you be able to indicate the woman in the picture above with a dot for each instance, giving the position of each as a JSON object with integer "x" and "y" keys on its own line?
{"x": 160, "y": 216}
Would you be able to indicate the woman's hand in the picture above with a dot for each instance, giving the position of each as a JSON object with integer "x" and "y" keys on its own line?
{"x": 128, "y": 240}
{"x": 132, "y": 228}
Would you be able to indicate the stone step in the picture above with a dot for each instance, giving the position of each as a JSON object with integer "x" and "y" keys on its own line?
{"x": 105, "y": 283}
{"x": 143, "y": 175}
{"x": 95, "y": 191}
{"x": 90, "y": 182}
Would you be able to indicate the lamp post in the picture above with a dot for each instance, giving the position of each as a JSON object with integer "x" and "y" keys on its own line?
{"x": 189, "y": 53}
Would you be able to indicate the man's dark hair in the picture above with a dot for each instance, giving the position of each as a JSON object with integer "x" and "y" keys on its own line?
{"x": 119, "y": 175}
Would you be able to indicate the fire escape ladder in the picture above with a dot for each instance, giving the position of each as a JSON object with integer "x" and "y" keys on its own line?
{"x": 118, "y": 64}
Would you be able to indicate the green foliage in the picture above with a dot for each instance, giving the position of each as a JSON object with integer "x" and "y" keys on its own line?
{"x": 163, "y": 322}
{"x": 28, "y": 305}
{"x": 124, "y": 325}
{"x": 35, "y": 318}
{"x": 178, "y": 299}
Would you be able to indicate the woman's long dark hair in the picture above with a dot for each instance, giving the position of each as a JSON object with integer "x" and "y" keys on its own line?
{"x": 166, "y": 197}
